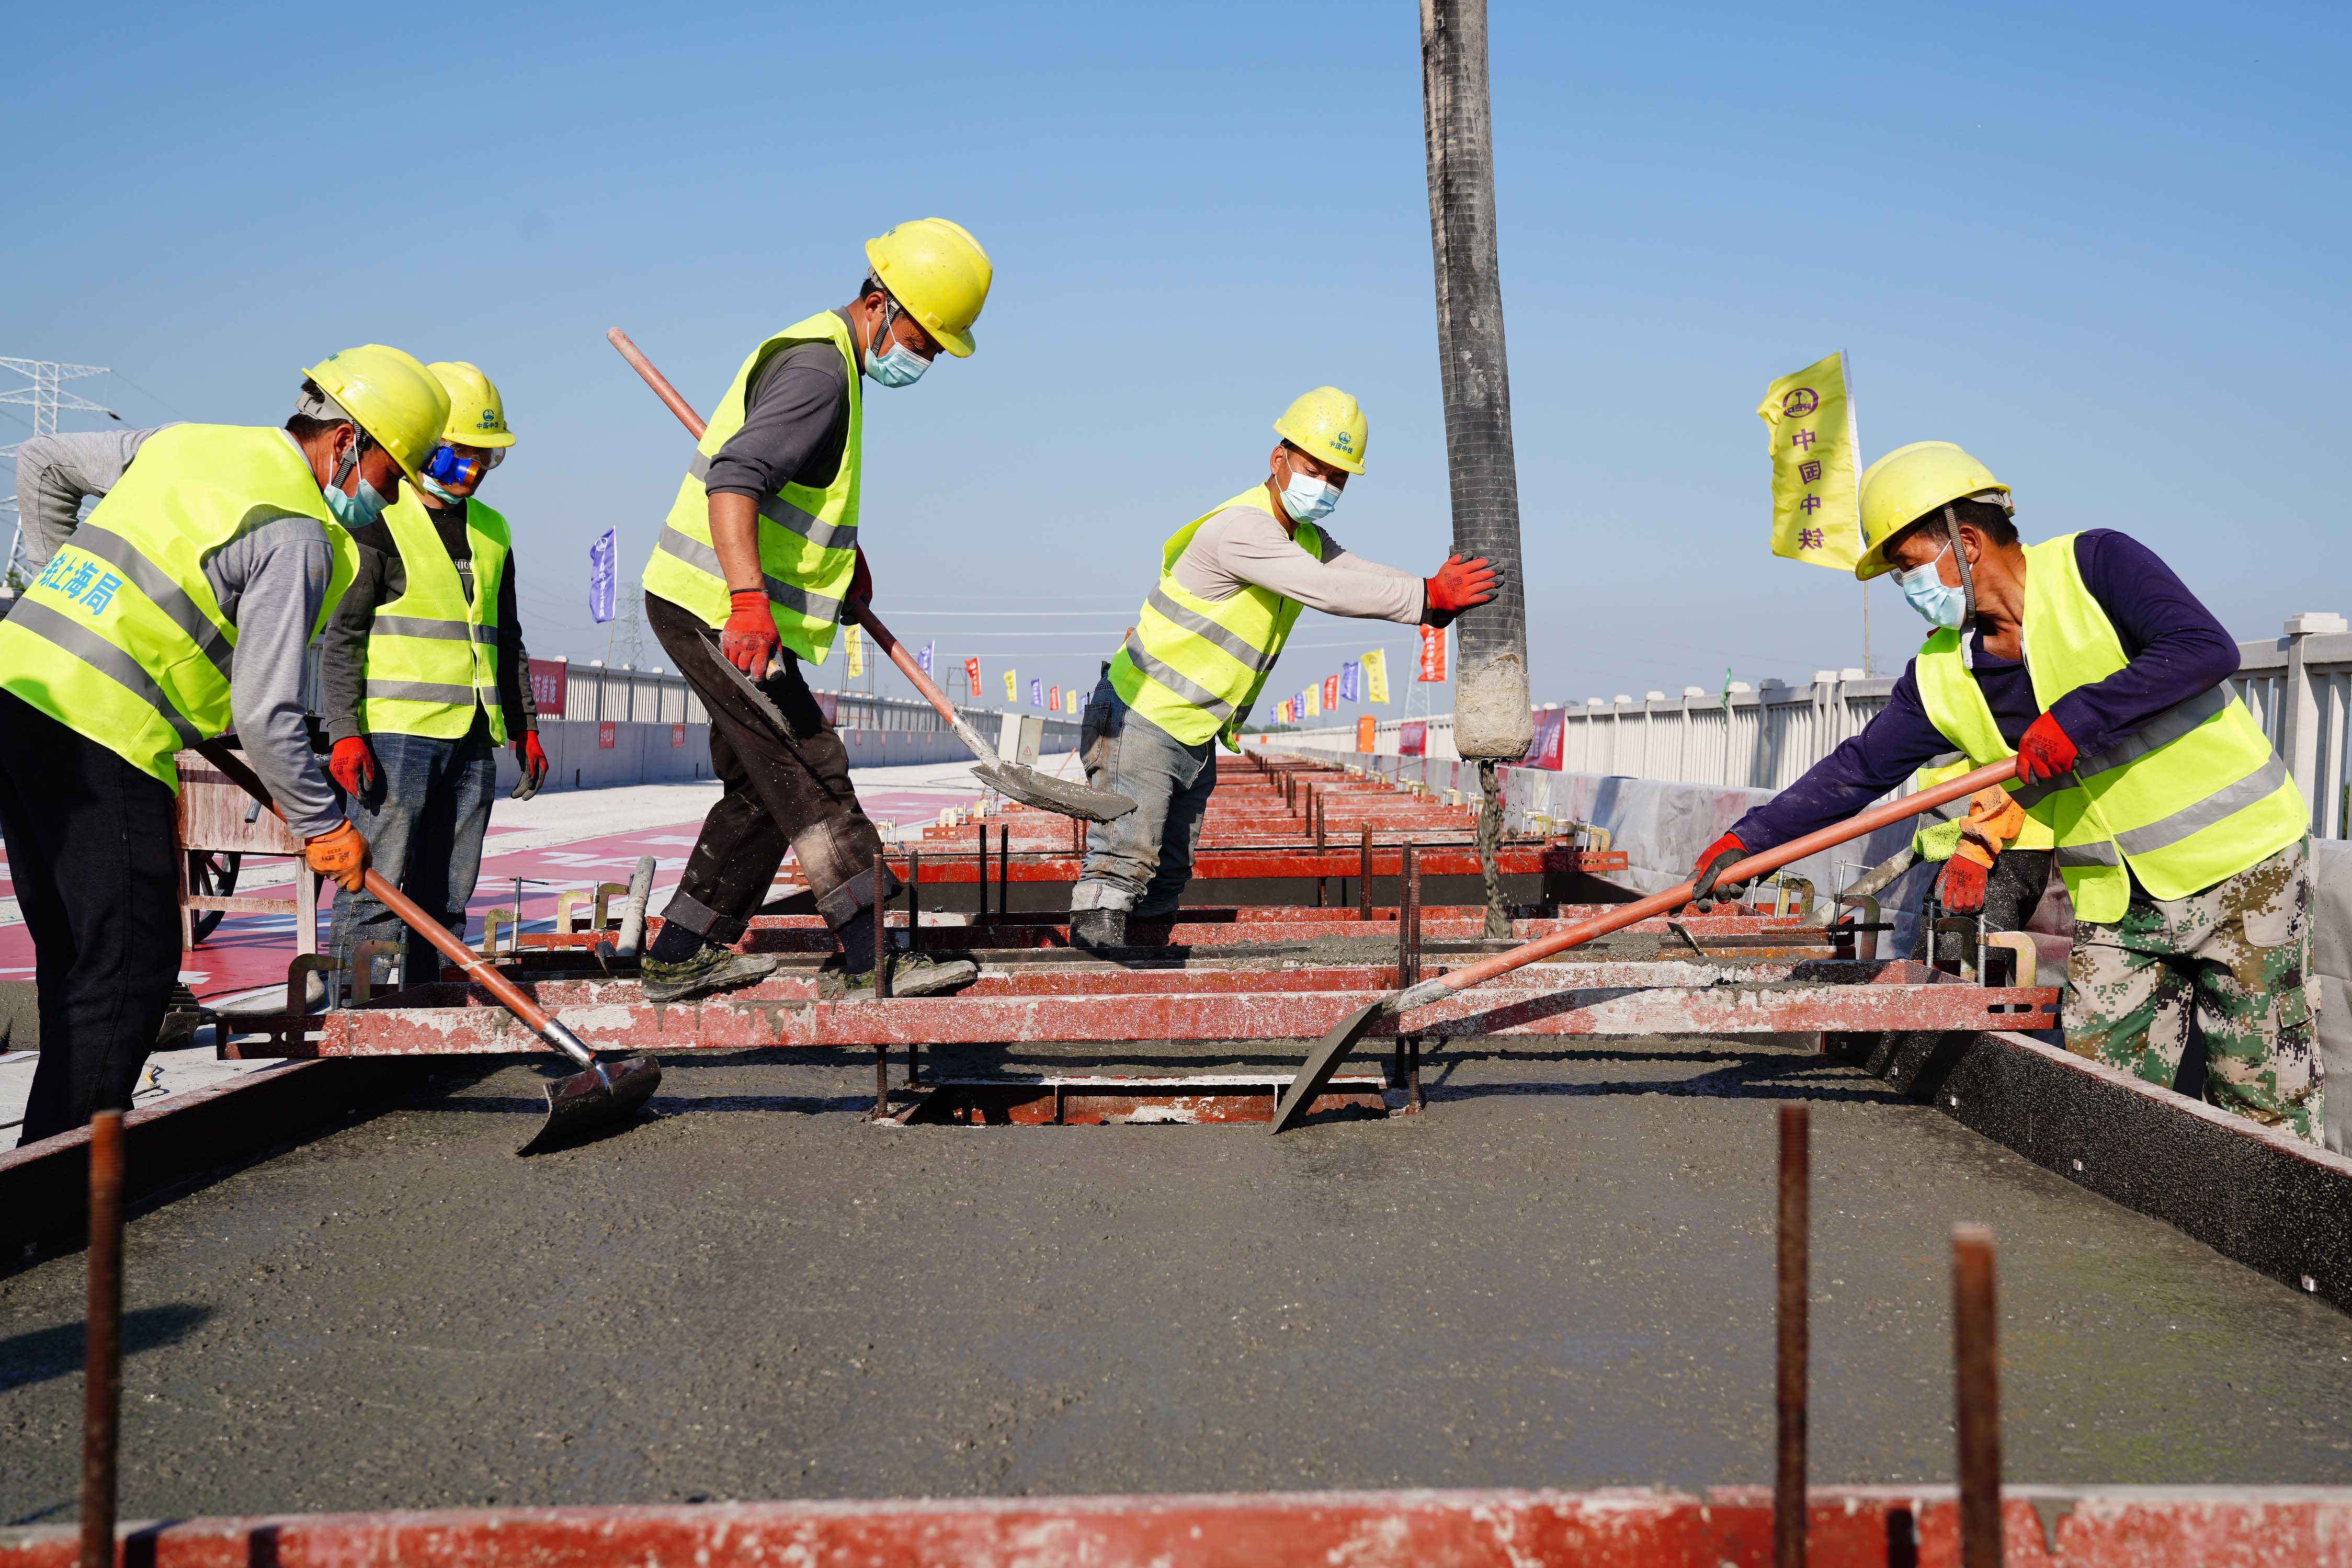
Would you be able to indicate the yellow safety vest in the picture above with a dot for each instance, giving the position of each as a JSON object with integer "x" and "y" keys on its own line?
{"x": 1955, "y": 705}
{"x": 808, "y": 538}
{"x": 1194, "y": 667}
{"x": 121, "y": 638}
{"x": 432, "y": 653}
{"x": 2193, "y": 796}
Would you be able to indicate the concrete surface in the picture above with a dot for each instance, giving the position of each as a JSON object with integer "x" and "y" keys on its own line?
{"x": 1560, "y": 1276}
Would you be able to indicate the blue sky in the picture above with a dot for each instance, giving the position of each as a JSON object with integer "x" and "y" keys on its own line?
{"x": 2100, "y": 246}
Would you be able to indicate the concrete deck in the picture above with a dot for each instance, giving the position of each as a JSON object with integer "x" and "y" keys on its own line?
{"x": 1560, "y": 1276}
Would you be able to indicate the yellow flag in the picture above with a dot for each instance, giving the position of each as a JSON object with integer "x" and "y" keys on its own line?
{"x": 1376, "y": 677}
{"x": 1070, "y": 702}
{"x": 1009, "y": 688}
{"x": 1816, "y": 466}
{"x": 853, "y": 649}
{"x": 1314, "y": 701}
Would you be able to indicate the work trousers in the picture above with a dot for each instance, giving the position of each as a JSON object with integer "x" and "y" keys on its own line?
{"x": 1141, "y": 862}
{"x": 2233, "y": 961}
{"x": 93, "y": 849}
{"x": 780, "y": 793}
{"x": 424, "y": 834}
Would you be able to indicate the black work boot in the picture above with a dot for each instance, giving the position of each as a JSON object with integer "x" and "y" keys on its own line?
{"x": 911, "y": 975}
{"x": 712, "y": 968}
{"x": 1098, "y": 930}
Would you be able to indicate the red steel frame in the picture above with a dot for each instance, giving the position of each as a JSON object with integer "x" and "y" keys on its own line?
{"x": 1856, "y": 1527}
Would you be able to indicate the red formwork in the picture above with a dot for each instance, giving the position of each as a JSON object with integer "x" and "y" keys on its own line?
{"x": 1859, "y": 1527}
{"x": 1541, "y": 1001}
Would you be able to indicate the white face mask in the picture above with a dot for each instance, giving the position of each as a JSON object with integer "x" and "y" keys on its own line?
{"x": 1308, "y": 499}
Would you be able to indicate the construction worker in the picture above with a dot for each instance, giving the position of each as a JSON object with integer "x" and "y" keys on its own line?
{"x": 423, "y": 676}
{"x": 55, "y": 474}
{"x": 758, "y": 563}
{"x": 2182, "y": 838}
{"x": 1231, "y": 583}
{"x": 179, "y": 610}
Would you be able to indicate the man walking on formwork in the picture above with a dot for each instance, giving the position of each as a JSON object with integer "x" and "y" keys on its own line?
{"x": 424, "y": 676}
{"x": 180, "y": 608}
{"x": 1231, "y": 584}
{"x": 2182, "y": 838}
{"x": 755, "y": 568}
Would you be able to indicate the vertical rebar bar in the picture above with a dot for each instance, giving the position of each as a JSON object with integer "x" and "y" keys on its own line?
{"x": 914, "y": 900}
{"x": 1976, "y": 1364}
{"x": 1409, "y": 919}
{"x": 881, "y": 927}
{"x": 102, "y": 1404}
{"x": 1795, "y": 1337}
{"x": 1364, "y": 874}
{"x": 980, "y": 884}
{"x": 1004, "y": 874}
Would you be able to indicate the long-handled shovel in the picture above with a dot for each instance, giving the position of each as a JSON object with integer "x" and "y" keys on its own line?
{"x": 593, "y": 1097}
{"x": 1333, "y": 1049}
{"x": 1026, "y": 785}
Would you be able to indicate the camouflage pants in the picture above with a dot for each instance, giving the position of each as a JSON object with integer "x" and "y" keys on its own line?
{"x": 2233, "y": 960}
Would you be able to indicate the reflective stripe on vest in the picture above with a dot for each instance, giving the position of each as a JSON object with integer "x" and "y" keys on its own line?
{"x": 432, "y": 653}
{"x": 808, "y": 537}
{"x": 2194, "y": 795}
{"x": 1193, "y": 666}
{"x": 121, "y": 638}
{"x": 1955, "y": 704}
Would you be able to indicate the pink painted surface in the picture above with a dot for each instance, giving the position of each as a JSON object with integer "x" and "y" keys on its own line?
{"x": 248, "y": 950}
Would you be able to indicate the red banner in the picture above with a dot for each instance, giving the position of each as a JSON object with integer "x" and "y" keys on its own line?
{"x": 1052, "y": 699}
{"x": 972, "y": 674}
{"x": 1433, "y": 654}
{"x": 1544, "y": 751}
{"x": 1331, "y": 694}
{"x": 1412, "y": 738}
{"x": 677, "y": 736}
{"x": 547, "y": 686}
{"x": 605, "y": 731}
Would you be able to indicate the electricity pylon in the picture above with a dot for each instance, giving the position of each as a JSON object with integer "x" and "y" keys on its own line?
{"x": 46, "y": 397}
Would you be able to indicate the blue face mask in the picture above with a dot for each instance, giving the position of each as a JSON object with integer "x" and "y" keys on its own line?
{"x": 889, "y": 362}
{"x": 1924, "y": 592}
{"x": 357, "y": 511}
{"x": 1308, "y": 499}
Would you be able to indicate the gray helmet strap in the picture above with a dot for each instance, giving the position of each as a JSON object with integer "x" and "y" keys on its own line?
{"x": 1967, "y": 578}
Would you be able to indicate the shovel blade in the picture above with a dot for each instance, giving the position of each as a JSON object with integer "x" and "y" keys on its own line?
{"x": 1322, "y": 1063}
{"x": 1031, "y": 787}
{"x": 586, "y": 1104}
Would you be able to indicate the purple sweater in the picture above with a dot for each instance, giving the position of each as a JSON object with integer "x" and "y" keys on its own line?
{"x": 2176, "y": 647}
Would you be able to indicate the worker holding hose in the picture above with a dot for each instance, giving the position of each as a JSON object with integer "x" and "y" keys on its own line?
{"x": 423, "y": 676}
{"x": 2182, "y": 840}
{"x": 1231, "y": 584}
{"x": 755, "y": 567}
{"x": 180, "y": 608}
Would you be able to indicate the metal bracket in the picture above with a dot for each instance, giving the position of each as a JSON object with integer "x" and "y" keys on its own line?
{"x": 319, "y": 963}
{"x": 491, "y": 921}
{"x": 2029, "y": 957}
{"x": 364, "y": 957}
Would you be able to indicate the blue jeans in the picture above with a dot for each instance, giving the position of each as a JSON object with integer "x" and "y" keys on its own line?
{"x": 426, "y": 837}
{"x": 1141, "y": 862}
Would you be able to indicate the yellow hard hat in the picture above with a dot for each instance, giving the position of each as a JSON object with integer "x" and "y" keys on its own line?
{"x": 1908, "y": 484}
{"x": 938, "y": 272}
{"x": 1326, "y": 424}
{"x": 392, "y": 396}
{"x": 478, "y": 414}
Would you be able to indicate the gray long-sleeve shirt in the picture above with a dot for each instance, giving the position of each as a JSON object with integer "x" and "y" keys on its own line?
{"x": 55, "y": 474}
{"x": 283, "y": 562}
{"x": 795, "y": 424}
{"x": 382, "y": 578}
{"x": 1245, "y": 545}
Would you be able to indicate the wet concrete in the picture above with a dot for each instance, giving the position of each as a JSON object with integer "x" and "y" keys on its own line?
{"x": 1559, "y": 1276}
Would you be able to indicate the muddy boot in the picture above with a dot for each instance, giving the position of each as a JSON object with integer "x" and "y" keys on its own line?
{"x": 1099, "y": 930}
{"x": 911, "y": 975}
{"x": 712, "y": 969}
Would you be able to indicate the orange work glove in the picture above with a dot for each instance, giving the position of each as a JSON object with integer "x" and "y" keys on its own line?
{"x": 341, "y": 856}
{"x": 2043, "y": 751}
{"x": 749, "y": 641}
{"x": 1994, "y": 818}
{"x": 1961, "y": 883}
